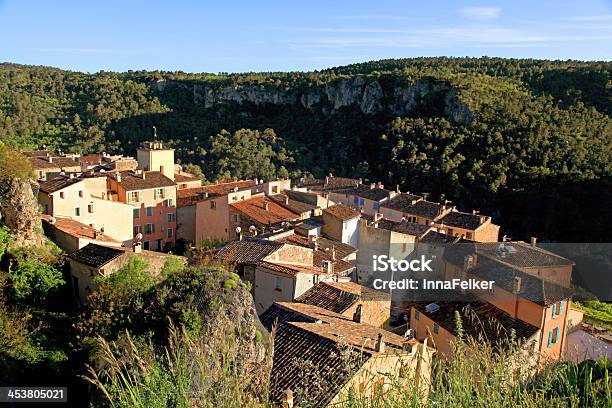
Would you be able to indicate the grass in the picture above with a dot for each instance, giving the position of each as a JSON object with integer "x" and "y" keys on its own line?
{"x": 192, "y": 373}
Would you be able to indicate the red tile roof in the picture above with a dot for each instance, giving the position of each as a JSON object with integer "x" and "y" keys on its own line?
{"x": 183, "y": 178}
{"x": 152, "y": 179}
{"x": 76, "y": 229}
{"x": 255, "y": 209}
{"x": 342, "y": 212}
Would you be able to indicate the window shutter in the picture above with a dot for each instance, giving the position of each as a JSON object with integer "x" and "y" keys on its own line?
{"x": 153, "y": 227}
{"x": 550, "y": 336}
{"x": 560, "y": 307}
{"x": 554, "y": 310}
{"x": 557, "y": 335}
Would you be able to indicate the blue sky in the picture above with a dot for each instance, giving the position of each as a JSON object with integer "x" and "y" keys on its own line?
{"x": 238, "y": 36}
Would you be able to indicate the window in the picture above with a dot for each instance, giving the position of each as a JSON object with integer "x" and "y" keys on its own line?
{"x": 159, "y": 193}
{"x": 468, "y": 235}
{"x": 450, "y": 232}
{"x": 134, "y": 196}
{"x": 149, "y": 228}
{"x": 376, "y": 206}
{"x": 136, "y": 213}
{"x": 355, "y": 200}
{"x": 149, "y": 211}
{"x": 62, "y": 195}
{"x": 81, "y": 193}
{"x": 90, "y": 208}
{"x": 137, "y": 229}
{"x": 436, "y": 328}
{"x": 169, "y": 233}
{"x": 278, "y": 283}
{"x": 274, "y": 189}
{"x": 77, "y": 211}
{"x": 236, "y": 218}
{"x": 417, "y": 314}
{"x": 213, "y": 205}
{"x": 169, "y": 202}
{"x": 361, "y": 201}
{"x": 553, "y": 336}
{"x": 170, "y": 217}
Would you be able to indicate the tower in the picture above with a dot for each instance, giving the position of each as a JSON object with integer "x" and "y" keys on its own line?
{"x": 154, "y": 156}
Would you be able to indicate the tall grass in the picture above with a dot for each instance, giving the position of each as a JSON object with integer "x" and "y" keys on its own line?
{"x": 191, "y": 372}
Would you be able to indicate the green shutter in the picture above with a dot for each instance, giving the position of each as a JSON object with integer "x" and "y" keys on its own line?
{"x": 550, "y": 335}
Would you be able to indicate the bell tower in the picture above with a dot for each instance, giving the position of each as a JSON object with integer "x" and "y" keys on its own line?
{"x": 154, "y": 156}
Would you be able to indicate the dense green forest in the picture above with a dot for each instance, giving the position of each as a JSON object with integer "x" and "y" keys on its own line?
{"x": 527, "y": 141}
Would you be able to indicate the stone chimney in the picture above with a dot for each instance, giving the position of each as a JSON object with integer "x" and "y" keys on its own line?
{"x": 118, "y": 177}
{"x": 534, "y": 241}
{"x": 380, "y": 344}
{"x": 358, "y": 315}
{"x": 137, "y": 247}
{"x": 517, "y": 285}
{"x": 287, "y": 399}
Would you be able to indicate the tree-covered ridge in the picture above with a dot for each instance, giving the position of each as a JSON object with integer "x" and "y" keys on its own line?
{"x": 483, "y": 132}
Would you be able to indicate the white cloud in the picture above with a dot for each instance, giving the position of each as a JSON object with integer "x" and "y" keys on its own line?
{"x": 480, "y": 13}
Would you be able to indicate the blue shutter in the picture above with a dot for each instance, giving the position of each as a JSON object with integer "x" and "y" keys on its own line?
{"x": 550, "y": 334}
{"x": 560, "y": 307}
{"x": 557, "y": 336}
{"x": 554, "y": 310}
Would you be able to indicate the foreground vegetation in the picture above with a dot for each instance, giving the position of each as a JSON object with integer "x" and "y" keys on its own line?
{"x": 596, "y": 312}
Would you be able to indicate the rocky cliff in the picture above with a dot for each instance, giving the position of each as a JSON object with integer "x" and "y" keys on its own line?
{"x": 20, "y": 212}
{"x": 370, "y": 95}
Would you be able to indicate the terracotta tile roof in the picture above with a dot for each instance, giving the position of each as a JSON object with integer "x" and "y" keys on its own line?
{"x": 325, "y": 245}
{"x": 408, "y": 228}
{"x": 229, "y": 186}
{"x": 255, "y": 209}
{"x": 477, "y": 318}
{"x": 533, "y": 288}
{"x": 332, "y": 366}
{"x": 290, "y": 269}
{"x": 342, "y": 212}
{"x": 56, "y": 162}
{"x": 95, "y": 255}
{"x": 521, "y": 254}
{"x": 435, "y": 237}
{"x": 247, "y": 250}
{"x": 332, "y": 345}
{"x": 43, "y": 163}
{"x": 91, "y": 159}
{"x": 57, "y": 183}
{"x": 76, "y": 229}
{"x": 463, "y": 220}
{"x": 183, "y": 178}
{"x": 152, "y": 179}
{"x": 340, "y": 296}
{"x": 36, "y": 153}
{"x": 374, "y": 194}
{"x": 329, "y": 184}
{"x": 292, "y": 205}
{"x": 190, "y": 196}
{"x": 421, "y": 208}
{"x": 402, "y": 201}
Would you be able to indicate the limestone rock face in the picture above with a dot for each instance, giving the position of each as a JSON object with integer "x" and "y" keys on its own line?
{"x": 369, "y": 95}
{"x": 20, "y": 212}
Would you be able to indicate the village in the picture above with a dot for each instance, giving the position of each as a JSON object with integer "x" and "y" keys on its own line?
{"x": 306, "y": 248}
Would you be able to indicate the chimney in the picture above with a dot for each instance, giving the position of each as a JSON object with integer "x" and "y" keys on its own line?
{"x": 96, "y": 234}
{"x": 71, "y": 176}
{"x": 380, "y": 185}
{"x": 137, "y": 247}
{"x": 286, "y": 200}
{"x": 534, "y": 240}
{"x": 397, "y": 190}
{"x": 358, "y": 315}
{"x": 468, "y": 262}
{"x": 327, "y": 266}
{"x": 118, "y": 177}
{"x": 517, "y": 285}
{"x": 326, "y": 180}
{"x": 380, "y": 344}
{"x": 372, "y": 186}
{"x": 50, "y": 159}
{"x": 287, "y": 399}
{"x": 144, "y": 175}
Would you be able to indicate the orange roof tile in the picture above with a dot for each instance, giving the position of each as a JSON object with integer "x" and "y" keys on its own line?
{"x": 255, "y": 208}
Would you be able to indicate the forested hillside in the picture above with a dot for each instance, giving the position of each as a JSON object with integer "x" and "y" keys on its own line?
{"x": 527, "y": 141}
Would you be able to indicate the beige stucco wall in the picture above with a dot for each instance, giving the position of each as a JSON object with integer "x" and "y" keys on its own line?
{"x": 157, "y": 160}
{"x": 186, "y": 222}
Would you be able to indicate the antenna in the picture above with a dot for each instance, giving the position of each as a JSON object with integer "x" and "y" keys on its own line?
{"x": 154, "y": 133}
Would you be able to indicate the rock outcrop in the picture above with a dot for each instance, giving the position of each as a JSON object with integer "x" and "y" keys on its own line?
{"x": 369, "y": 95}
{"x": 20, "y": 212}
